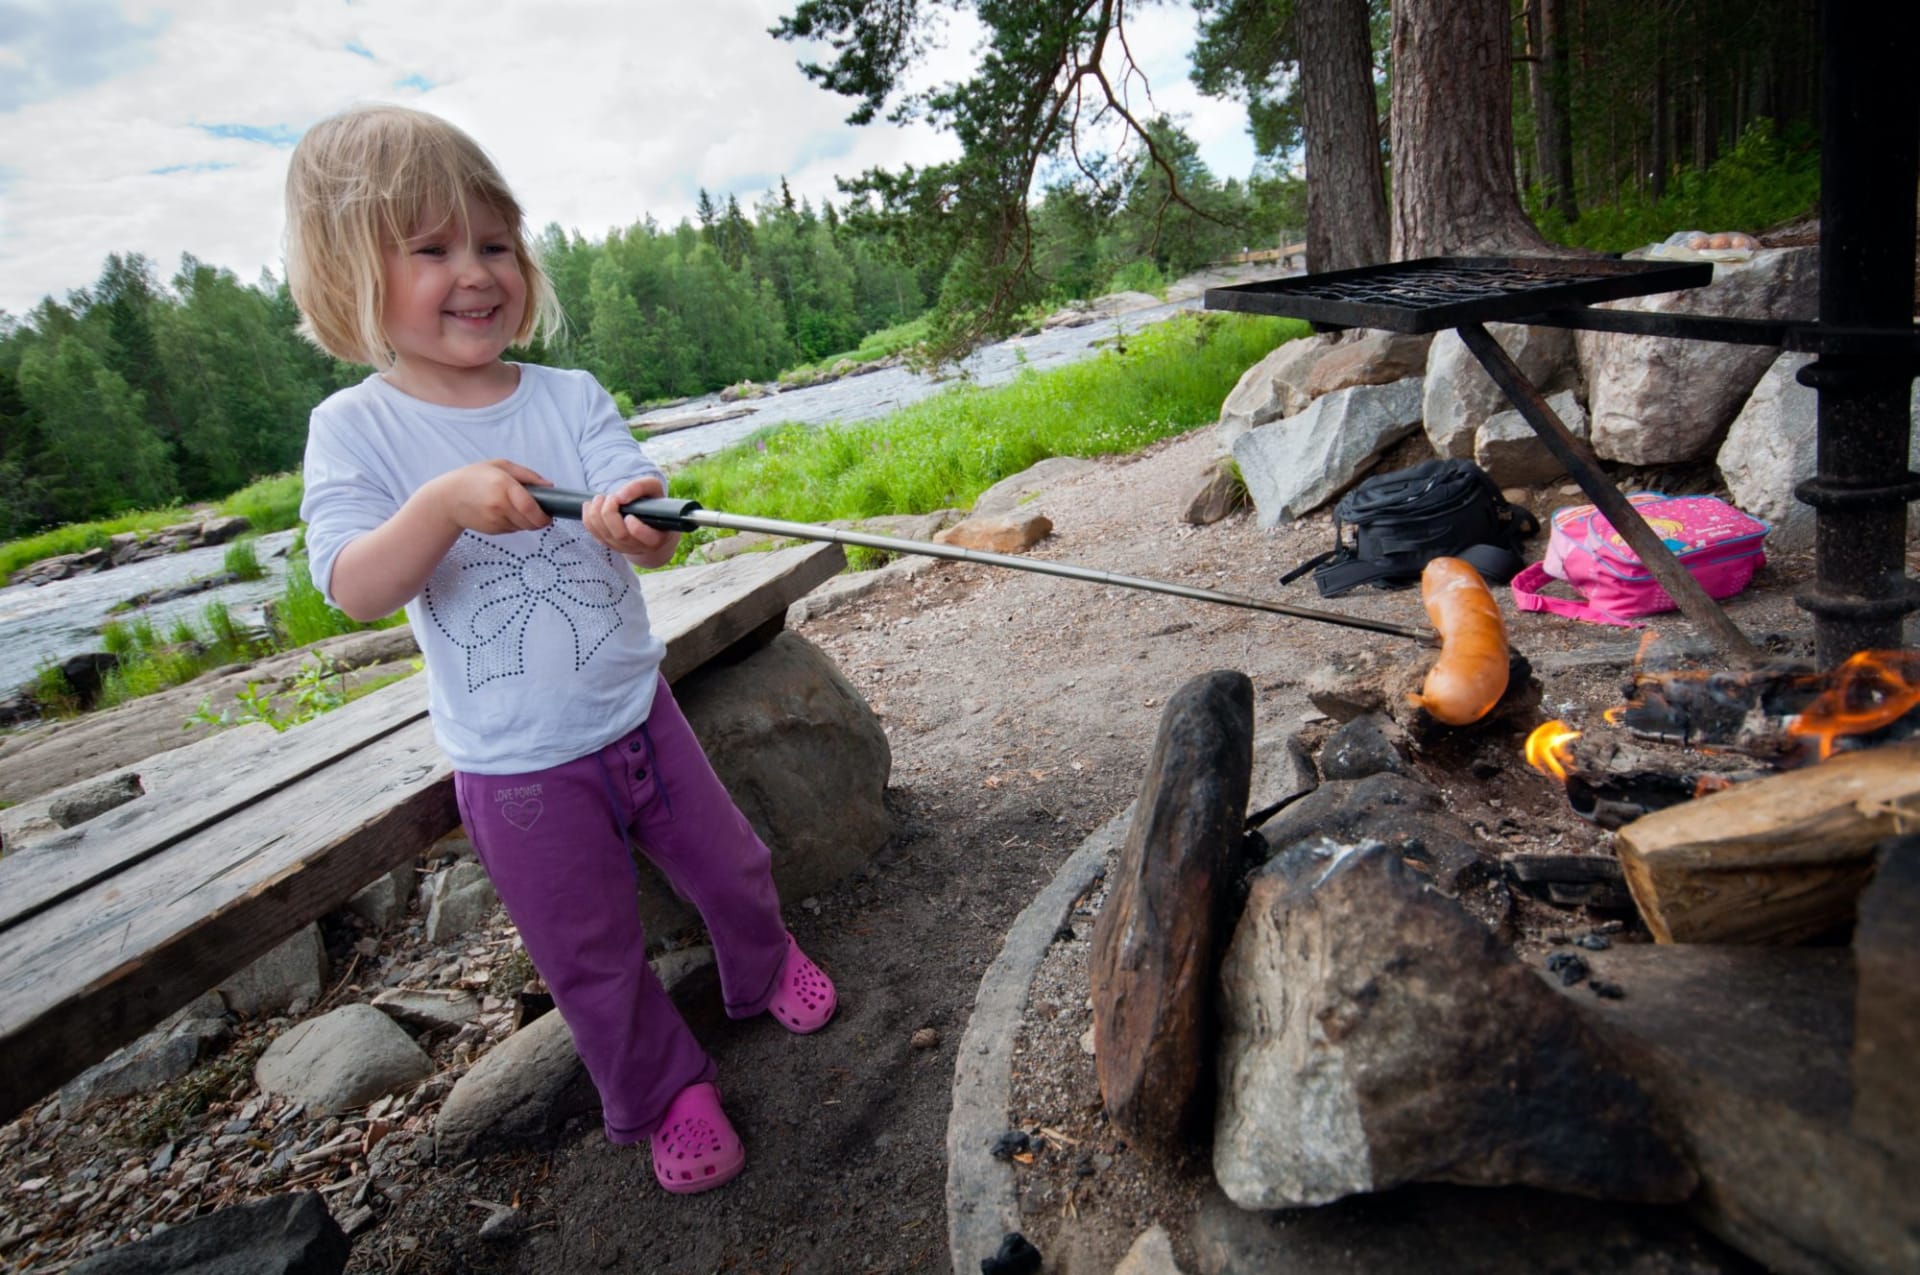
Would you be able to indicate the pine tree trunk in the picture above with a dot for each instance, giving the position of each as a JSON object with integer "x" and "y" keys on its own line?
{"x": 1453, "y": 190}
{"x": 1346, "y": 200}
{"x": 1549, "y": 84}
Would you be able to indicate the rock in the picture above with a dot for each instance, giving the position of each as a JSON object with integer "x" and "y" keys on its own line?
{"x": 533, "y": 1082}
{"x": 459, "y": 899}
{"x": 158, "y": 1058}
{"x": 1458, "y": 396}
{"x": 1009, "y": 534}
{"x": 1745, "y": 1051}
{"x": 1151, "y": 1254}
{"x": 1294, "y": 466}
{"x": 926, "y": 1038}
{"x": 428, "y": 1009}
{"x": 1368, "y": 358}
{"x": 1393, "y": 808}
{"x": 345, "y": 1058}
{"x": 1771, "y": 446}
{"x": 1362, "y": 747}
{"x": 1158, "y": 936}
{"x": 296, "y": 970}
{"x": 84, "y": 673}
{"x": 81, "y": 802}
{"x": 1282, "y": 772}
{"x": 1272, "y": 388}
{"x": 1503, "y": 1231}
{"x": 1513, "y": 455}
{"x": 804, "y": 758}
{"x": 1886, "y": 1013}
{"x": 280, "y": 1235}
{"x": 1216, "y": 495}
{"x": 1015, "y": 493}
{"x": 1654, "y": 400}
{"x": 383, "y": 900}
{"x": 1374, "y": 1034}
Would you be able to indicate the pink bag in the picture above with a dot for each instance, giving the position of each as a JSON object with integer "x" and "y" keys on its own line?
{"x": 1718, "y": 544}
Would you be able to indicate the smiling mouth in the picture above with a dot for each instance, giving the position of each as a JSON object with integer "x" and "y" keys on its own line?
{"x": 487, "y": 313}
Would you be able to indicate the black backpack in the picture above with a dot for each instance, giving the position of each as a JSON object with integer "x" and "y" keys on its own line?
{"x": 1405, "y": 519}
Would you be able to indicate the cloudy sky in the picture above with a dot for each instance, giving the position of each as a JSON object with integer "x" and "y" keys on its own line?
{"x": 163, "y": 127}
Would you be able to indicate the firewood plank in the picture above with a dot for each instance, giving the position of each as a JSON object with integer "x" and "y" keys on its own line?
{"x": 1774, "y": 860}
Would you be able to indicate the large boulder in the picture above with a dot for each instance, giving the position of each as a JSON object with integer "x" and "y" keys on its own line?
{"x": 1513, "y": 454}
{"x": 1368, "y": 358}
{"x": 1771, "y": 447}
{"x": 1156, "y": 942}
{"x": 804, "y": 758}
{"x": 345, "y": 1058}
{"x": 1655, "y": 400}
{"x": 280, "y": 1235}
{"x": 1459, "y": 396}
{"x": 1374, "y": 1034}
{"x": 1274, "y": 387}
{"x": 1294, "y": 466}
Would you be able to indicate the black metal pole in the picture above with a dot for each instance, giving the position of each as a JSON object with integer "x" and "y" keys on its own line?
{"x": 685, "y": 515}
{"x": 1869, "y": 157}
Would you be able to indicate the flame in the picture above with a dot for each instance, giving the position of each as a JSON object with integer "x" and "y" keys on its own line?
{"x": 1546, "y": 748}
{"x": 1871, "y": 689}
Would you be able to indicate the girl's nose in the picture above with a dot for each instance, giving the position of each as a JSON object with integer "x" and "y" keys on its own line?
{"x": 471, "y": 269}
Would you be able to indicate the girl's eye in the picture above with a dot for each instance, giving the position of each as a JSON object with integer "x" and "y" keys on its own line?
{"x": 431, "y": 250}
{"x": 495, "y": 249}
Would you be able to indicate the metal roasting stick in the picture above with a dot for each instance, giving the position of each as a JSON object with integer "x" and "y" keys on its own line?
{"x": 684, "y": 515}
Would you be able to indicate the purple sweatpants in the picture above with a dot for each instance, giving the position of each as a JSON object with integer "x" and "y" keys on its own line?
{"x": 555, "y": 842}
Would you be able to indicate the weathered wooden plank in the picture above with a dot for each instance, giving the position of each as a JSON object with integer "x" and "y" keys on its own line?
{"x": 37, "y": 879}
{"x": 94, "y": 971}
{"x": 195, "y": 898}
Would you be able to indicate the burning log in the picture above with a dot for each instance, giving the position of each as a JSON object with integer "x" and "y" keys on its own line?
{"x": 1775, "y": 860}
{"x": 1784, "y": 711}
{"x": 1612, "y": 781}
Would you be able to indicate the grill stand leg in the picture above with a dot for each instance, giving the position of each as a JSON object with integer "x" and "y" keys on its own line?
{"x": 1580, "y": 461}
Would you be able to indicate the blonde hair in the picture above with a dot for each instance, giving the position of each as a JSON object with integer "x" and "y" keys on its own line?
{"x": 367, "y": 178}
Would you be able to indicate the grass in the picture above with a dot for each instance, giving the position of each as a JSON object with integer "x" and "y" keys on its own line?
{"x": 944, "y": 451}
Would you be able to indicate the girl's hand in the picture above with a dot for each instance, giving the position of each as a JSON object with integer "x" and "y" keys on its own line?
{"x": 490, "y": 496}
{"x": 623, "y": 533}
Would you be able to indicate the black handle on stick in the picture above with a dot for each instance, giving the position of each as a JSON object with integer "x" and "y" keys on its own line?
{"x": 684, "y": 515}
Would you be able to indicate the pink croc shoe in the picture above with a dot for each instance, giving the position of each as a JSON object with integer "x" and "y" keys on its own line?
{"x": 803, "y": 999}
{"x": 695, "y": 1148}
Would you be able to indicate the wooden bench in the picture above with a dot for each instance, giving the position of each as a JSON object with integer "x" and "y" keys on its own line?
{"x": 113, "y": 925}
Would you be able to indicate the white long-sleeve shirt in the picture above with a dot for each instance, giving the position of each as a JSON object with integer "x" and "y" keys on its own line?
{"x": 537, "y": 644}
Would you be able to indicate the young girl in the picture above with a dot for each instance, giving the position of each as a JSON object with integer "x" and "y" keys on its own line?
{"x": 406, "y": 251}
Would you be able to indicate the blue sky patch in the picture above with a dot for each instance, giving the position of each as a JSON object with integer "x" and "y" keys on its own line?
{"x": 270, "y": 134}
{"x": 355, "y": 47}
{"x": 414, "y": 81}
{"x": 63, "y": 48}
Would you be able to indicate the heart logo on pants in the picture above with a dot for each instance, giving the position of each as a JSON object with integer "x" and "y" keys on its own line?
{"x": 521, "y": 814}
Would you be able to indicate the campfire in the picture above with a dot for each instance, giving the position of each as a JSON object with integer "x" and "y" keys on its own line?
{"x": 1748, "y": 802}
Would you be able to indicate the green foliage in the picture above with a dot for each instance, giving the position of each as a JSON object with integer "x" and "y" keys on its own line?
{"x": 301, "y": 615}
{"x": 945, "y": 451}
{"x": 1763, "y": 181}
{"x": 55, "y": 695}
{"x": 319, "y": 687}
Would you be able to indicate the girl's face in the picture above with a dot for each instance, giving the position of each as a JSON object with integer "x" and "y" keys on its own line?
{"x": 455, "y": 298}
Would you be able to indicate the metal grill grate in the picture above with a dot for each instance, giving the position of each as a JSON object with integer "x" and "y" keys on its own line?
{"x": 1432, "y": 293}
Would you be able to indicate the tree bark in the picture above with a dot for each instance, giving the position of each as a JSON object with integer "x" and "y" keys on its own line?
{"x": 1548, "y": 82}
{"x": 1453, "y": 187}
{"x": 1346, "y": 199}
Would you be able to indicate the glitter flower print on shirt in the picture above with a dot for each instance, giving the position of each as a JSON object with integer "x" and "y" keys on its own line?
{"x": 483, "y": 595}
